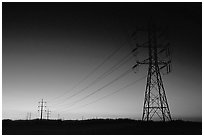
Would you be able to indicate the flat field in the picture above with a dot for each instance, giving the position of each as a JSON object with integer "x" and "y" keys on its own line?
{"x": 99, "y": 127}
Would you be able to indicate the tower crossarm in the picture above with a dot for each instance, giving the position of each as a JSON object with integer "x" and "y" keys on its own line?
{"x": 164, "y": 62}
{"x": 146, "y": 61}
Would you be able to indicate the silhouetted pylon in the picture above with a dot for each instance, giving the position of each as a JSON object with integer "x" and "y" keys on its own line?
{"x": 155, "y": 101}
{"x": 42, "y": 107}
{"x": 48, "y": 114}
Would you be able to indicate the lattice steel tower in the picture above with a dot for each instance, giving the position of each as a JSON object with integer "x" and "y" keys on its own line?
{"x": 42, "y": 108}
{"x": 155, "y": 101}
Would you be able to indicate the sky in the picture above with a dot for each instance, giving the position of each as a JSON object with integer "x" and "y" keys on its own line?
{"x": 55, "y": 52}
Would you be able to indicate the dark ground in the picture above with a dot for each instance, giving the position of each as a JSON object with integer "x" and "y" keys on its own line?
{"x": 99, "y": 127}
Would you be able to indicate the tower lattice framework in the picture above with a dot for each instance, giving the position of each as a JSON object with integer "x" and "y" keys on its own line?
{"x": 155, "y": 100}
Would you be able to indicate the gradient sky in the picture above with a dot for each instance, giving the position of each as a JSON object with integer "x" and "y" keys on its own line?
{"x": 48, "y": 48}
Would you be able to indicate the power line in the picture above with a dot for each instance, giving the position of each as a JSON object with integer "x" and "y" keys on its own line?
{"x": 90, "y": 73}
{"x": 118, "y": 90}
{"x": 108, "y": 85}
{"x": 112, "y": 69}
{"x": 116, "y": 66}
{"x": 122, "y": 75}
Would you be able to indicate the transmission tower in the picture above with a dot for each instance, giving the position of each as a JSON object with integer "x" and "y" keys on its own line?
{"x": 28, "y": 117}
{"x": 155, "y": 101}
{"x": 48, "y": 114}
{"x": 42, "y": 108}
{"x": 58, "y": 117}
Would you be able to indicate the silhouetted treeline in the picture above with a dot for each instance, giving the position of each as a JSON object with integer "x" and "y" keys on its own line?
{"x": 100, "y": 127}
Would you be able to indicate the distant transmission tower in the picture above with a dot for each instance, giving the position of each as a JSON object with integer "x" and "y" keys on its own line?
{"x": 42, "y": 108}
{"x": 28, "y": 117}
{"x": 48, "y": 114}
{"x": 58, "y": 116}
{"x": 155, "y": 101}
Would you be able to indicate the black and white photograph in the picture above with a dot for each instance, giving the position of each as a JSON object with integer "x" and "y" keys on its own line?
{"x": 101, "y": 68}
